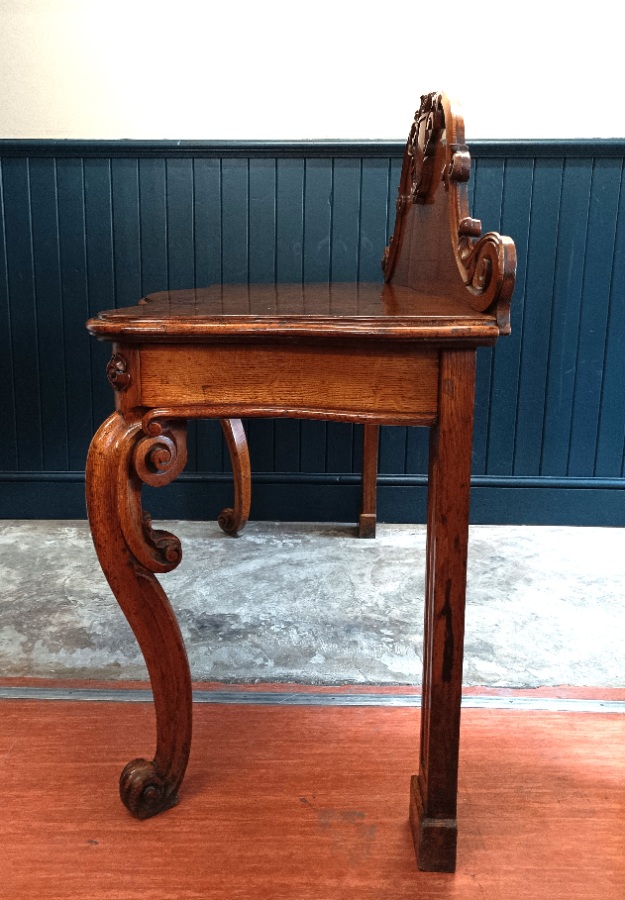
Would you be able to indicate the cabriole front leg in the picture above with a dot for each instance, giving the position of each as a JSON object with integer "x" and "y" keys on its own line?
{"x": 123, "y": 455}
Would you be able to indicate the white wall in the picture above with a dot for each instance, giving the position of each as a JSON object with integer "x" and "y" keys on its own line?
{"x": 283, "y": 69}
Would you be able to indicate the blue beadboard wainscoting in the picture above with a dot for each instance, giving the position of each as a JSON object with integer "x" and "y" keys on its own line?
{"x": 91, "y": 225}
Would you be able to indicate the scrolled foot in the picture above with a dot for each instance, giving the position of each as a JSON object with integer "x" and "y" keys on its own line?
{"x": 142, "y": 790}
{"x": 229, "y": 523}
{"x": 232, "y": 521}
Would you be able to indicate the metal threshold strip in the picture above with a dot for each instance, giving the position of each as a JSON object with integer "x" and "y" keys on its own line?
{"x": 317, "y": 698}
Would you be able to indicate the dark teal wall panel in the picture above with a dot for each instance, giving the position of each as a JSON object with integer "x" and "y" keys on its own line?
{"x": 317, "y": 234}
{"x": 100, "y": 274}
{"x": 539, "y": 282}
{"x": 566, "y": 305}
{"x": 207, "y": 221}
{"x": 153, "y": 229}
{"x": 24, "y": 403}
{"x": 589, "y": 368}
{"x": 78, "y": 420}
{"x": 51, "y": 314}
{"x": 488, "y": 185}
{"x": 506, "y": 358}
{"x": 86, "y": 226}
{"x": 7, "y": 368}
{"x": 611, "y": 430}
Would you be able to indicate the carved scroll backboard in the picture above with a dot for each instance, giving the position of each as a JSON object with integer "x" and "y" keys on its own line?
{"x": 436, "y": 246}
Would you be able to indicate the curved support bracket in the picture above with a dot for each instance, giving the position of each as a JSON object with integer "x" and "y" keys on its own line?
{"x": 233, "y": 521}
{"x": 121, "y": 456}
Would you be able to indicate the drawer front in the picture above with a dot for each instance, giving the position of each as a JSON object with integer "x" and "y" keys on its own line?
{"x": 391, "y": 383}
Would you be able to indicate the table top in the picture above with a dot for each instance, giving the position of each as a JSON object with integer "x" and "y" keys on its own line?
{"x": 315, "y": 310}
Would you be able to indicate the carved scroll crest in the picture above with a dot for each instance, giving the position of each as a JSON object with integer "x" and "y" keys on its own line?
{"x": 423, "y": 142}
{"x": 436, "y": 155}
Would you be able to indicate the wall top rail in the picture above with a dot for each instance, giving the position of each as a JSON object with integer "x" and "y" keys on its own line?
{"x": 605, "y": 148}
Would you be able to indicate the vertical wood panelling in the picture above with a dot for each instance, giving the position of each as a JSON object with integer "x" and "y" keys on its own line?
{"x": 487, "y": 202}
{"x": 126, "y": 231}
{"x": 537, "y": 315}
{"x": 180, "y": 224}
{"x": 373, "y": 219}
{"x": 594, "y": 316}
{"x": 7, "y": 367}
{"x": 318, "y": 188}
{"x": 611, "y": 434}
{"x": 392, "y": 460}
{"x": 153, "y": 225}
{"x": 23, "y": 314}
{"x": 284, "y": 439}
{"x": 565, "y": 314}
{"x": 100, "y": 272}
{"x": 209, "y": 450}
{"x": 417, "y": 450}
{"x": 515, "y": 220}
{"x": 234, "y": 220}
{"x": 207, "y": 221}
{"x": 344, "y": 266}
{"x": 262, "y": 220}
{"x": 79, "y": 234}
{"x": 289, "y": 250}
{"x": 51, "y": 314}
{"x": 72, "y": 246}
{"x": 345, "y": 248}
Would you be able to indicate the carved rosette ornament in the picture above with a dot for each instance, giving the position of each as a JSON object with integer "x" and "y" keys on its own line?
{"x": 117, "y": 372}
{"x": 436, "y": 154}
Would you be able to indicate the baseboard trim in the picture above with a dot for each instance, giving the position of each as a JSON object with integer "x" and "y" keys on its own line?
{"x": 318, "y": 698}
{"x": 333, "y": 498}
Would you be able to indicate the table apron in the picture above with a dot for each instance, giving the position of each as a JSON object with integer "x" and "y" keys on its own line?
{"x": 388, "y": 382}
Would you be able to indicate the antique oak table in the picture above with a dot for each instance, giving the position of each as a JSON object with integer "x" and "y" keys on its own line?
{"x": 402, "y": 353}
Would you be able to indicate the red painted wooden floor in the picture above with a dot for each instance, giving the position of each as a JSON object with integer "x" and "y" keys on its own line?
{"x": 308, "y": 803}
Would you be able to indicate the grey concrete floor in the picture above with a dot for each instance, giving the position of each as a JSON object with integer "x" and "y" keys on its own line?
{"x": 314, "y": 604}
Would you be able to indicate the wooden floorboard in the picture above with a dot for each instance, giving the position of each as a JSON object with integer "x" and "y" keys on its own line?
{"x": 308, "y": 803}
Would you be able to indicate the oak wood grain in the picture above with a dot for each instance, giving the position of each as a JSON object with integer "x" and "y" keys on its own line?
{"x": 380, "y": 380}
{"x": 291, "y": 310}
{"x": 401, "y": 353}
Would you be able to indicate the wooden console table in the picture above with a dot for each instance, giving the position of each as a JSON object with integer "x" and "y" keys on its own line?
{"x": 402, "y": 353}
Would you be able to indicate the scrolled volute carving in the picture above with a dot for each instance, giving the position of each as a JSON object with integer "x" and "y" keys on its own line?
{"x": 161, "y": 455}
{"x": 155, "y": 455}
{"x": 166, "y": 545}
{"x": 489, "y": 266}
{"x": 142, "y": 790}
{"x": 228, "y": 522}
